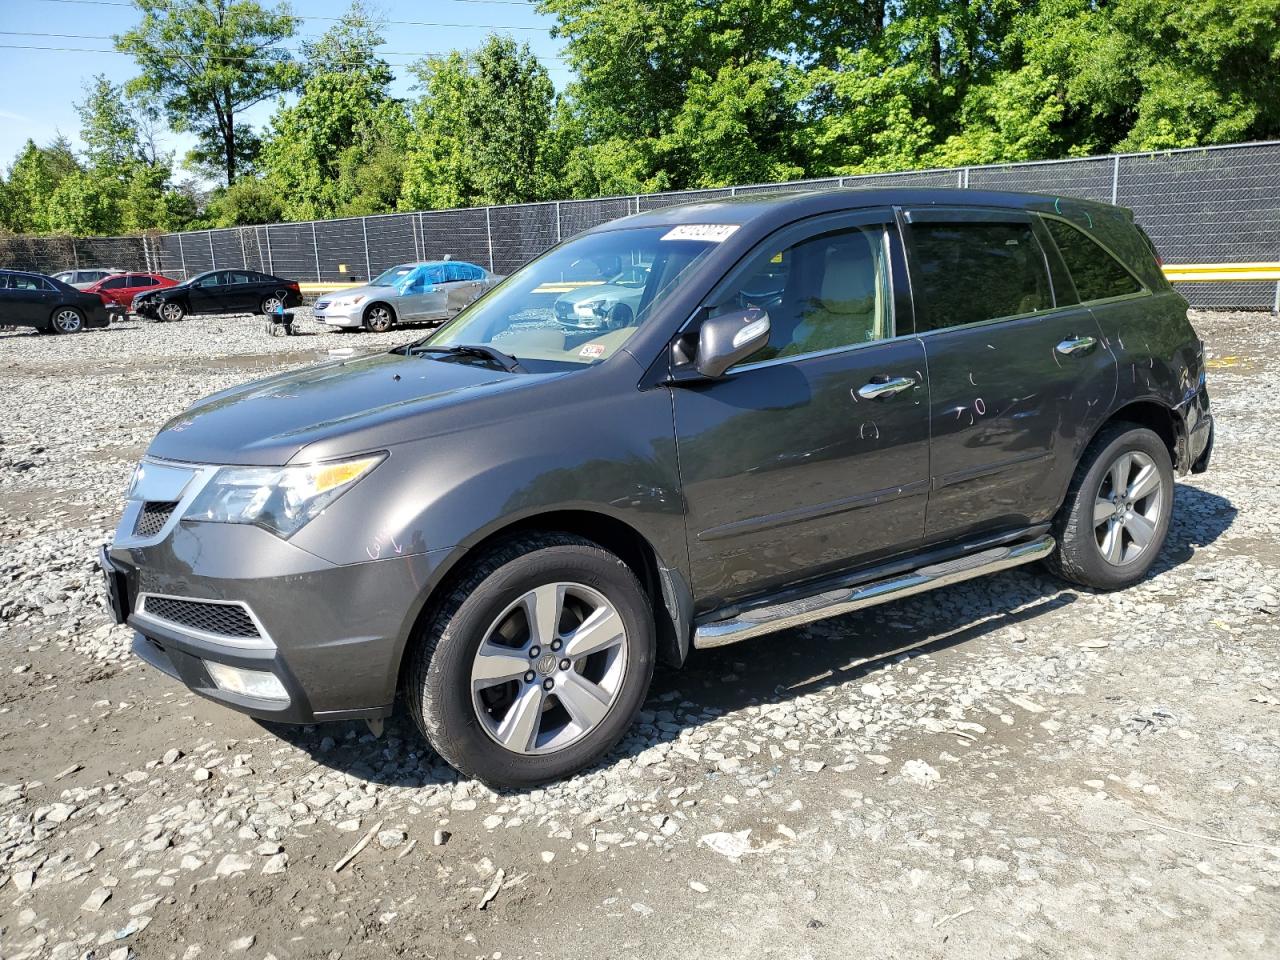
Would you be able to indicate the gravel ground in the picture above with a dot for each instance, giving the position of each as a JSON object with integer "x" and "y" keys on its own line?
{"x": 1005, "y": 768}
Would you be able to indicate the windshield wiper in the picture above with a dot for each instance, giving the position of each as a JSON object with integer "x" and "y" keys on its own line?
{"x": 485, "y": 352}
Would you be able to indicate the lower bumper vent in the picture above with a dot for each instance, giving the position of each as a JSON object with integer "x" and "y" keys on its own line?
{"x": 230, "y": 620}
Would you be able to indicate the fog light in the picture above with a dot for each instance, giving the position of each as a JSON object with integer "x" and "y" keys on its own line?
{"x": 247, "y": 683}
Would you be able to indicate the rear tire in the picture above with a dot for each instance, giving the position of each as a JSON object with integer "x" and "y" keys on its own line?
{"x": 488, "y": 683}
{"x": 379, "y": 318}
{"x": 271, "y": 301}
{"x": 1115, "y": 518}
{"x": 66, "y": 320}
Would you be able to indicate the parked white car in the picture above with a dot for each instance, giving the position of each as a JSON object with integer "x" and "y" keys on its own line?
{"x": 430, "y": 291}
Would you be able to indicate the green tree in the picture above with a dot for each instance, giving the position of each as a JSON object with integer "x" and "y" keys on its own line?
{"x": 34, "y": 177}
{"x": 479, "y": 128}
{"x": 338, "y": 149}
{"x": 208, "y": 61}
{"x": 247, "y": 201}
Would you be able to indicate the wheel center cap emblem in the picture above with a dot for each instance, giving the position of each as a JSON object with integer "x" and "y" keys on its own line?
{"x": 546, "y": 664}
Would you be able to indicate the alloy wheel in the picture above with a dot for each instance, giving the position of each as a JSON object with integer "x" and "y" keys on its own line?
{"x": 171, "y": 311}
{"x": 1126, "y": 509}
{"x": 271, "y": 304}
{"x": 67, "y": 321}
{"x": 549, "y": 668}
{"x": 379, "y": 319}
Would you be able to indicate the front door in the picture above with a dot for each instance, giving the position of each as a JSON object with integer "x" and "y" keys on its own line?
{"x": 208, "y": 293}
{"x": 425, "y": 295}
{"x": 812, "y": 456}
{"x": 1013, "y": 373}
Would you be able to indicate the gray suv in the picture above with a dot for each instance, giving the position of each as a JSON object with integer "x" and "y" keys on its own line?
{"x": 820, "y": 402}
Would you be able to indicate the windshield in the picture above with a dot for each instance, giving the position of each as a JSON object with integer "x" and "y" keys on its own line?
{"x": 392, "y": 277}
{"x": 550, "y": 312}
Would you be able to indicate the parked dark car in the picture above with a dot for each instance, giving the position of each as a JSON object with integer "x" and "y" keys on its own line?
{"x": 122, "y": 288}
{"x": 49, "y": 305}
{"x": 219, "y": 291}
{"x": 823, "y": 401}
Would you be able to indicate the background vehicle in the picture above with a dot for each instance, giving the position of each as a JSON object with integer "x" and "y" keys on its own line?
{"x": 49, "y": 305}
{"x": 82, "y": 278}
{"x": 510, "y": 521}
{"x": 432, "y": 291}
{"x": 599, "y": 304}
{"x": 122, "y": 288}
{"x": 219, "y": 291}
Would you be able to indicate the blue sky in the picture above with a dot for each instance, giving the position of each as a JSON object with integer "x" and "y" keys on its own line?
{"x": 38, "y": 88}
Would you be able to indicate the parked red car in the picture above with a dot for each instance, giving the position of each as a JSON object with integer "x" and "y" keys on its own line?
{"x": 120, "y": 289}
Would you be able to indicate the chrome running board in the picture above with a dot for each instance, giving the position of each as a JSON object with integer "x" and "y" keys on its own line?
{"x": 833, "y": 603}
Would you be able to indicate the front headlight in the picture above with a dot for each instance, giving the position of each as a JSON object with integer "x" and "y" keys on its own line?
{"x": 349, "y": 301}
{"x": 281, "y": 499}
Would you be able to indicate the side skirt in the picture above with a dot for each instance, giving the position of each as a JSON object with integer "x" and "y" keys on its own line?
{"x": 833, "y": 603}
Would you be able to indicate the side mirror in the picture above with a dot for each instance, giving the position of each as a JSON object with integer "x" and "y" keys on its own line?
{"x": 730, "y": 338}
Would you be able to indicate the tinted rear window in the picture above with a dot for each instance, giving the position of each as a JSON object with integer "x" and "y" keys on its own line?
{"x": 1096, "y": 273}
{"x": 966, "y": 272}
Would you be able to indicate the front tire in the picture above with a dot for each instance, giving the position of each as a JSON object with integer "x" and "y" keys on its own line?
{"x": 535, "y": 663}
{"x": 379, "y": 318}
{"x": 1115, "y": 518}
{"x": 66, "y": 320}
{"x": 172, "y": 311}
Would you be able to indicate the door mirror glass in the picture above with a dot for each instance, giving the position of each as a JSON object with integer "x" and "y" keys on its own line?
{"x": 730, "y": 338}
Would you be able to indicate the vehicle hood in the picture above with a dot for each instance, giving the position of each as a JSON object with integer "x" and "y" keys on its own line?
{"x": 368, "y": 291}
{"x": 152, "y": 291}
{"x": 341, "y": 407}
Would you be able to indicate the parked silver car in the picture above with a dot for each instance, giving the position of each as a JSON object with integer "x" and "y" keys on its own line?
{"x": 433, "y": 290}
{"x": 603, "y": 305}
{"x": 86, "y": 276}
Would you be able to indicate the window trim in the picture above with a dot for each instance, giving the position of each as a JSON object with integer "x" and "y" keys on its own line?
{"x": 965, "y": 214}
{"x": 1142, "y": 291}
{"x": 798, "y": 232}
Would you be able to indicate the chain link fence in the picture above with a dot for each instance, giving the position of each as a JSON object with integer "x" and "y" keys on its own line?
{"x": 1203, "y": 205}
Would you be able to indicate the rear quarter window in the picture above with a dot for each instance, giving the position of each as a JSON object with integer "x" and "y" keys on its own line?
{"x": 1096, "y": 273}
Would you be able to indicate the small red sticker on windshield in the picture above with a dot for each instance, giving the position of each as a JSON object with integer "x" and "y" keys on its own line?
{"x": 592, "y": 350}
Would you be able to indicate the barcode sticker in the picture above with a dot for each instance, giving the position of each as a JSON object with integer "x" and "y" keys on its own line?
{"x": 706, "y": 232}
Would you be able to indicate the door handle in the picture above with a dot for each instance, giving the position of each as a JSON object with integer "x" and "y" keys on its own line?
{"x": 1074, "y": 345}
{"x": 883, "y": 388}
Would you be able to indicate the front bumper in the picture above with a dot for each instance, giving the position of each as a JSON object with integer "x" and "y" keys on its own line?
{"x": 331, "y": 635}
{"x": 337, "y": 316}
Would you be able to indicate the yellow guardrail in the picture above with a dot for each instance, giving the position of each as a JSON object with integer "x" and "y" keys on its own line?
{"x": 1219, "y": 272}
{"x": 1176, "y": 272}
{"x": 317, "y": 288}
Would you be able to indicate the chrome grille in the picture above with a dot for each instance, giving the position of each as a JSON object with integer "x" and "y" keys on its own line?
{"x": 152, "y": 517}
{"x": 219, "y": 619}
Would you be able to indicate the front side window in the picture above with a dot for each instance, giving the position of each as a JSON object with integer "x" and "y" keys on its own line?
{"x": 563, "y": 309}
{"x": 115, "y": 283}
{"x": 970, "y": 271}
{"x": 824, "y": 293}
{"x": 1096, "y": 273}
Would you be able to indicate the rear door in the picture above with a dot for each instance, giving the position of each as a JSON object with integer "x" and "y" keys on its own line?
{"x": 245, "y": 291}
{"x": 812, "y": 456}
{"x": 1014, "y": 375}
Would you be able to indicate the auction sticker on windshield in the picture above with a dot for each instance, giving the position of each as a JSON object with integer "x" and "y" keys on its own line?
{"x": 706, "y": 232}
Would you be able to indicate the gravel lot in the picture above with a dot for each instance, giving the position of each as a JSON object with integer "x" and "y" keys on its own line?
{"x": 1005, "y": 768}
